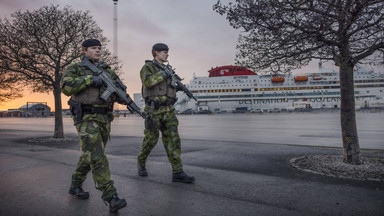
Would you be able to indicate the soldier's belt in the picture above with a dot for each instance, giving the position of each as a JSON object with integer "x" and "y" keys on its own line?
{"x": 158, "y": 103}
{"x": 89, "y": 109}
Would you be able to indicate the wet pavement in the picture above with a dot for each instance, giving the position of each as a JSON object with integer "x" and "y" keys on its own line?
{"x": 238, "y": 173}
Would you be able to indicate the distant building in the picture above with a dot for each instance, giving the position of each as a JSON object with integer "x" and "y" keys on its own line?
{"x": 13, "y": 113}
{"x": 35, "y": 110}
{"x": 10, "y": 113}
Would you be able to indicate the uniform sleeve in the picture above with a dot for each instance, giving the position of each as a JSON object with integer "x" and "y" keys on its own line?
{"x": 72, "y": 83}
{"x": 149, "y": 77}
{"x": 112, "y": 73}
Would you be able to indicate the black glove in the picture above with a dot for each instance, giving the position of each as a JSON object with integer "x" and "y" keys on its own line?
{"x": 164, "y": 74}
{"x": 97, "y": 81}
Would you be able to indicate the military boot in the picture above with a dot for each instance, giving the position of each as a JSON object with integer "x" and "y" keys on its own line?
{"x": 78, "y": 192}
{"x": 116, "y": 203}
{"x": 141, "y": 170}
{"x": 182, "y": 177}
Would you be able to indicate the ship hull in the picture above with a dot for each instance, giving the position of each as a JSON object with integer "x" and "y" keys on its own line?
{"x": 319, "y": 90}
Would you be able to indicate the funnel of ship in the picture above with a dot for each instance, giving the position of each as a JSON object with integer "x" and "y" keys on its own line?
{"x": 230, "y": 70}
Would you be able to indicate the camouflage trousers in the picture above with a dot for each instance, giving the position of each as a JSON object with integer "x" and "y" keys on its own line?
{"x": 167, "y": 123}
{"x": 93, "y": 139}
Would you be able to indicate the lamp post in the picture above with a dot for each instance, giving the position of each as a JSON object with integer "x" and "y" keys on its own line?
{"x": 115, "y": 27}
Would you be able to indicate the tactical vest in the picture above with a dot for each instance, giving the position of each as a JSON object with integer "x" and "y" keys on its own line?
{"x": 90, "y": 95}
{"x": 161, "y": 89}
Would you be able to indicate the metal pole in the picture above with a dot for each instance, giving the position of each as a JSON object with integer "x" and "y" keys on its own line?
{"x": 115, "y": 27}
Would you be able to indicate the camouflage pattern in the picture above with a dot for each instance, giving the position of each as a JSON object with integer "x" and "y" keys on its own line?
{"x": 162, "y": 119}
{"x": 150, "y": 75}
{"x": 93, "y": 130}
{"x": 156, "y": 85}
{"x": 93, "y": 139}
{"x": 77, "y": 80}
{"x": 167, "y": 123}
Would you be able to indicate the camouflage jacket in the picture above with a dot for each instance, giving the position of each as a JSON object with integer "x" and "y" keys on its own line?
{"x": 77, "y": 83}
{"x": 150, "y": 78}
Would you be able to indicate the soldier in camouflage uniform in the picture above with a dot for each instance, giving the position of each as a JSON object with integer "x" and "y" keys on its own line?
{"x": 92, "y": 117}
{"x": 160, "y": 97}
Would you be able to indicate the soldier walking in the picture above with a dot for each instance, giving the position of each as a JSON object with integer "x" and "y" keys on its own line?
{"x": 92, "y": 118}
{"x": 160, "y": 97}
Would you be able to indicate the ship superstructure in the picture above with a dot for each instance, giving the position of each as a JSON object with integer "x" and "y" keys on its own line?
{"x": 233, "y": 88}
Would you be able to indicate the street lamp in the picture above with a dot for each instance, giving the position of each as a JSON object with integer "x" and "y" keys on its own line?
{"x": 115, "y": 27}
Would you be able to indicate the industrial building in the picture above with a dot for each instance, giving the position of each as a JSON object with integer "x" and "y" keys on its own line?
{"x": 32, "y": 109}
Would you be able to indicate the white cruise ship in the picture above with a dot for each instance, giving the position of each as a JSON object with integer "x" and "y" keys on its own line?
{"x": 237, "y": 89}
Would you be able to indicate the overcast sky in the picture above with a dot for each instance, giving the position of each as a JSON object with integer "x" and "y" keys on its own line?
{"x": 198, "y": 37}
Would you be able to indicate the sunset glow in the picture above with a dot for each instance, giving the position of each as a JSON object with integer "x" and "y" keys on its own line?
{"x": 34, "y": 97}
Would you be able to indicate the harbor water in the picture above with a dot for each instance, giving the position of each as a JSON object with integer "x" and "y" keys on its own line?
{"x": 298, "y": 128}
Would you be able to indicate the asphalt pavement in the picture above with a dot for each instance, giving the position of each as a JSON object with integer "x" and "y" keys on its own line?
{"x": 232, "y": 178}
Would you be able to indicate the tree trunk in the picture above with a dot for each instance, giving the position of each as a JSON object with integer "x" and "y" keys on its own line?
{"x": 59, "y": 129}
{"x": 348, "y": 116}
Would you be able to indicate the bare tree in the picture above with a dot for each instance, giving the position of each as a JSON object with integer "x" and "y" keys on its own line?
{"x": 38, "y": 45}
{"x": 9, "y": 88}
{"x": 286, "y": 34}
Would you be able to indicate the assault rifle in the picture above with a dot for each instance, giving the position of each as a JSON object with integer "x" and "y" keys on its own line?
{"x": 176, "y": 80}
{"x": 114, "y": 87}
